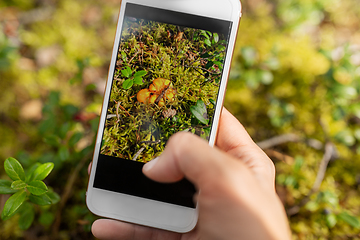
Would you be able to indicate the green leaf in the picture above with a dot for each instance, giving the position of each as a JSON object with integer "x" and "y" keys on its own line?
{"x": 30, "y": 172}
{"x": 90, "y": 87}
{"x": 42, "y": 171}
{"x": 349, "y": 219}
{"x": 328, "y": 197}
{"x": 221, "y": 48}
{"x": 203, "y": 33}
{"x": 123, "y": 56}
{"x": 299, "y": 161}
{"x": 27, "y": 215}
{"x": 290, "y": 181}
{"x": 14, "y": 169}
{"x": 209, "y": 64}
{"x": 206, "y": 133}
{"x": 69, "y": 111}
{"x": 52, "y": 140}
{"x": 312, "y": 206}
{"x": 205, "y": 55}
{"x": 272, "y": 63}
{"x": 219, "y": 64}
{"x": 5, "y": 187}
{"x": 266, "y": 77}
{"x": 208, "y": 42}
{"x": 47, "y": 125}
{"x": 140, "y": 73}
{"x": 46, "y": 218}
{"x": 200, "y": 112}
{"x": 18, "y": 184}
{"x": 216, "y": 37}
{"x": 331, "y": 220}
{"x": 249, "y": 54}
{"x": 75, "y": 138}
{"x": 54, "y": 98}
{"x": 138, "y": 80}
{"x": 63, "y": 153}
{"x": 37, "y": 187}
{"x": 13, "y": 204}
{"x": 346, "y": 137}
{"x": 252, "y": 78}
{"x": 126, "y": 72}
{"x": 54, "y": 197}
{"x": 40, "y": 200}
{"x": 128, "y": 83}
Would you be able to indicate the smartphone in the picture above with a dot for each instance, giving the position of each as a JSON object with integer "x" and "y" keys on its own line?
{"x": 168, "y": 73}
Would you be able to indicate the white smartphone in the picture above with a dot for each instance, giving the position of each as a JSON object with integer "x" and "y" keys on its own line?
{"x": 168, "y": 73}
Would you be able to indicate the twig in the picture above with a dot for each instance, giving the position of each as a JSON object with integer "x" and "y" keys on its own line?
{"x": 117, "y": 112}
{"x": 122, "y": 108}
{"x": 161, "y": 95}
{"x": 36, "y": 15}
{"x": 138, "y": 153}
{"x": 280, "y": 156}
{"x": 290, "y": 137}
{"x": 278, "y": 140}
{"x": 143, "y": 148}
{"x": 205, "y": 82}
{"x": 151, "y": 142}
{"x": 66, "y": 194}
{"x": 109, "y": 116}
{"x": 134, "y": 56}
{"x": 329, "y": 151}
{"x": 176, "y": 58}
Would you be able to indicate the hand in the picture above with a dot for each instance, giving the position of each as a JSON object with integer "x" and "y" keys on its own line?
{"x": 237, "y": 198}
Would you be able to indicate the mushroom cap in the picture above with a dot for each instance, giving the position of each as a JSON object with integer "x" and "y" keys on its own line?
{"x": 153, "y": 98}
{"x": 161, "y": 103}
{"x": 143, "y": 95}
{"x": 159, "y": 84}
{"x": 170, "y": 94}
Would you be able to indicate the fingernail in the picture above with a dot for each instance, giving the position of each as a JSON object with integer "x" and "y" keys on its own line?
{"x": 150, "y": 164}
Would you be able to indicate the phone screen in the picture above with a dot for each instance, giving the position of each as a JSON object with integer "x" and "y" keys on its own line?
{"x": 167, "y": 75}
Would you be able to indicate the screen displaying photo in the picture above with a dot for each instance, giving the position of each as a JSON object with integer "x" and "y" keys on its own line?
{"x": 167, "y": 75}
{"x": 166, "y": 80}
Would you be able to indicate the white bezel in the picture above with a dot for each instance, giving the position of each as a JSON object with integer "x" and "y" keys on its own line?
{"x": 145, "y": 211}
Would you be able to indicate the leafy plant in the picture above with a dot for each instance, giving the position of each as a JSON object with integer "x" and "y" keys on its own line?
{"x": 26, "y": 189}
{"x": 136, "y": 78}
{"x": 7, "y": 52}
{"x": 210, "y": 38}
{"x": 199, "y": 111}
{"x": 349, "y": 219}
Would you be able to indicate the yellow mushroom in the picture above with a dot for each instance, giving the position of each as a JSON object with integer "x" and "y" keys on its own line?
{"x": 143, "y": 95}
{"x": 161, "y": 103}
{"x": 153, "y": 98}
{"x": 170, "y": 94}
{"x": 159, "y": 84}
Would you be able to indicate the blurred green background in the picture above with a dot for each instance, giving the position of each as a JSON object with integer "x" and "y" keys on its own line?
{"x": 294, "y": 84}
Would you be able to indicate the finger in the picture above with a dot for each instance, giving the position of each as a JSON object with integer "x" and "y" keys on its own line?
{"x": 190, "y": 156}
{"x": 234, "y": 139}
{"x": 231, "y": 134}
{"x": 106, "y": 229}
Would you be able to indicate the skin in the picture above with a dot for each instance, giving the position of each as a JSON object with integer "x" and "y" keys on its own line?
{"x": 237, "y": 182}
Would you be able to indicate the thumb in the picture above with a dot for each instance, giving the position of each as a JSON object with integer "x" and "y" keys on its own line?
{"x": 187, "y": 155}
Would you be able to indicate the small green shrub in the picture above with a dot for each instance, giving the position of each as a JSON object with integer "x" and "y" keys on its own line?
{"x": 27, "y": 189}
